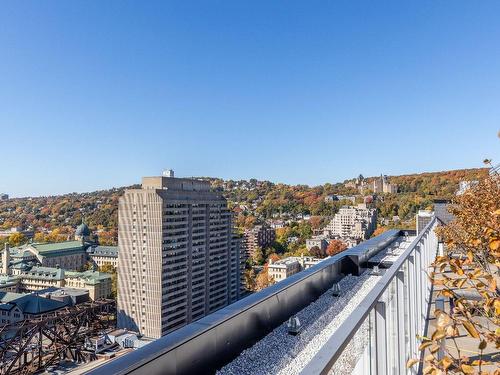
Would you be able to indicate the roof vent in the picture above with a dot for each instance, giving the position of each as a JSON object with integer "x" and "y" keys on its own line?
{"x": 336, "y": 290}
{"x": 375, "y": 271}
{"x": 294, "y": 326}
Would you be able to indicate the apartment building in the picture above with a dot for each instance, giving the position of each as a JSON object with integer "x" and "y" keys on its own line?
{"x": 357, "y": 222}
{"x": 258, "y": 237}
{"x": 179, "y": 259}
{"x": 283, "y": 268}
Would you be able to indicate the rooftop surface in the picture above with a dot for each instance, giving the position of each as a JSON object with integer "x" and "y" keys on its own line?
{"x": 282, "y": 353}
{"x": 43, "y": 248}
{"x": 110, "y": 251}
{"x": 30, "y": 303}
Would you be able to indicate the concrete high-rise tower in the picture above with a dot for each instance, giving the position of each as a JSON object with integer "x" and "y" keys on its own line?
{"x": 179, "y": 259}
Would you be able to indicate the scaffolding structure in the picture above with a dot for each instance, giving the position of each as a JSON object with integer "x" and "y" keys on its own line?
{"x": 34, "y": 344}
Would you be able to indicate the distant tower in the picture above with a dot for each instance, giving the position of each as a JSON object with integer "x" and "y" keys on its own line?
{"x": 178, "y": 258}
{"x": 6, "y": 260}
{"x": 82, "y": 233}
{"x": 168, "y": 173}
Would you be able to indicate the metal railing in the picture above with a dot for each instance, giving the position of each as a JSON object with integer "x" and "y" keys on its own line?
{"x": 381, "y": 334}
{"x": 209, "y": 343}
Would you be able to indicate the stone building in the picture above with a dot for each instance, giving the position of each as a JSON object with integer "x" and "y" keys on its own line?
{"x": 103, "y": 255}
{"x": 21, "y": 272}
{"x": 382, "y": 185}
{"x": 37, "y": 278}
{"x": 70, "y": 255}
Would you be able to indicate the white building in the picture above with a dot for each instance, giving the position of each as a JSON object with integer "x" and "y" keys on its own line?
{"x": 283, "y": 268}
{"x": 353, "y": 222}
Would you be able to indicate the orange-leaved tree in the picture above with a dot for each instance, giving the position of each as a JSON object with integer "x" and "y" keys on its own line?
{"x": 468, "y": 275}
{"x": 335, "y": 247}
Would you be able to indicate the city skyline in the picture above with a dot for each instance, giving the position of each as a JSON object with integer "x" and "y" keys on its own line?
{"x": 285, "y": 93}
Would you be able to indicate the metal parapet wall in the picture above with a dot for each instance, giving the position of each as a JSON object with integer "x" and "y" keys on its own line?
{"x": 206, "y": 345}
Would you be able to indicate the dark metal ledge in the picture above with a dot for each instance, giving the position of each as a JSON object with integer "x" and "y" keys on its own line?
{"x": 206, "y": 345}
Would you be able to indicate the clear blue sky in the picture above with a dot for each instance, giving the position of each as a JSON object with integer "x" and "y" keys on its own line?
{"x": 96, "y": 94}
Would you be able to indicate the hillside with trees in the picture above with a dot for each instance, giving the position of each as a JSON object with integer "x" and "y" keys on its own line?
{"x": 54, "y": 218}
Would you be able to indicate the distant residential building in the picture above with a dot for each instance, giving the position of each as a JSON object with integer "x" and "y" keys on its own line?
{"x": 258, "y": 237}
{"x": 179, "y": 259}
{"x": 4, "y": 197}
{"x": 463, "y": 186}
{"x": 15, "y": 307}
{"x": 276, "y": 224}
{"x": 353, "y": 222}
{"x": 336, "y": 197}
{"x": 103, "y": 255}
{"x": 319, "y": 241}
{"x": 28, "y": 233}
{"x": 423, "y": 218}
{"x": 283, "y": 268}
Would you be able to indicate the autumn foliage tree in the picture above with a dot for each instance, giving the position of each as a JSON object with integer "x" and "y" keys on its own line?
{"x": 335, "y": 247}
{"x": 263, "y": 279}
{"x": 317, "y": 252}
{"x": 468, "y": 274}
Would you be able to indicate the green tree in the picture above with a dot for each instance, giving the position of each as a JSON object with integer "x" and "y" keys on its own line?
{"x": 16, "y": 239}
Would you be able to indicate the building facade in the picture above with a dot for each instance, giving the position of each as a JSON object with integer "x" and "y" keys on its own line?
{"x": 179, "y": 259}
{"x": 69, "y": 255}
{"x": 15, "y": 307}
{"x": 34, "y": 279}
{"x": 353, "y": 222}
{"x": 104, "y": 255}
{"x": 258, "y": 237}
{"x": 382, "y": 185}
{"x": 283, "y": 268}
{"x": 319, "y": 241}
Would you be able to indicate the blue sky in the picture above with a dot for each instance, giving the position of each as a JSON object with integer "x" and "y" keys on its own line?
{"x": 96, "y": 94}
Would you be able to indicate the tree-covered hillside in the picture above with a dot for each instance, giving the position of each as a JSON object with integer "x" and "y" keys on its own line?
{"x": 252, "y": 201}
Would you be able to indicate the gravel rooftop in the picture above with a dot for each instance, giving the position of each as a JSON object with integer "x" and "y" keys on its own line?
{"x": 284, "y": 354}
